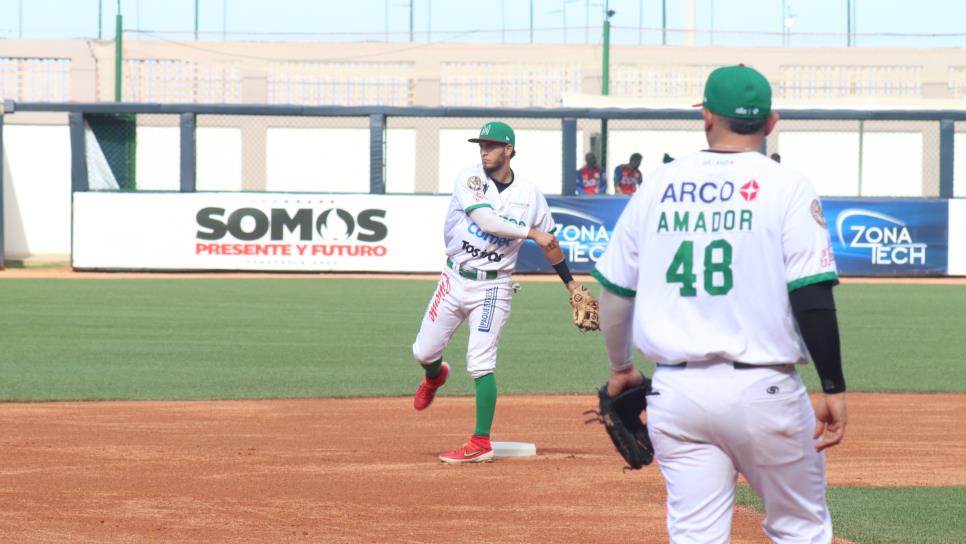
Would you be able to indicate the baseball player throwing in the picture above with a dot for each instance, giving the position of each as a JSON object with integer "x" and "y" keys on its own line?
{"x": 721, "y": 269}
{"x": 491, "y": 214}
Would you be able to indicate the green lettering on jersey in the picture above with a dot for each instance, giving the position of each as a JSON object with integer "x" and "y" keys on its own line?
{"x": 662, "y": 222}
{"x": 717, "y": 264}
{"x": 745, "y": 219}
{"x": 681, "y": 222}
{"x": 700, "y": 224}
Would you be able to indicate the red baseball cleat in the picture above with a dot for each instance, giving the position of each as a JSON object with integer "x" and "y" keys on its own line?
{"x": 477, "y": 450}
{"x": 427, "y": 390}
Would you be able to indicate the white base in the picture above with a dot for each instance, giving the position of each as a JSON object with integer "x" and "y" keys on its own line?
{"x": 514, "y": 449}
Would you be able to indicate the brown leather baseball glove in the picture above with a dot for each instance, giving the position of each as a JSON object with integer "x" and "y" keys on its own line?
{"x": 586, "y": 309}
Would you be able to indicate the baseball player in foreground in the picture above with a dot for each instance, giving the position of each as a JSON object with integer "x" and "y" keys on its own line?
{"x": 491, "y": 214}
{"x": 720, "y": 270}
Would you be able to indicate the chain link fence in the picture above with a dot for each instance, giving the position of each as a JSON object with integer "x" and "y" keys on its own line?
{"x": 412, "y": 150}
{"x": 283, "y": 153}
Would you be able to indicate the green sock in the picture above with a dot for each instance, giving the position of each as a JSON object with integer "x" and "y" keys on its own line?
{"x": 433, "y": 369}
{"x": 485, "y": 404}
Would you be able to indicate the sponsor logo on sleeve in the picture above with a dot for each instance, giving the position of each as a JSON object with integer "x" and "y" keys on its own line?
{"x": 474, "y": 183}
{"x": 817, "y": 214}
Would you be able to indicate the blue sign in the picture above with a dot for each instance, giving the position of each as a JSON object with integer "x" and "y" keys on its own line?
{"x": 895, "y": 237}
{"x": 888, "y": 237}
{"x": 584, "y": 226}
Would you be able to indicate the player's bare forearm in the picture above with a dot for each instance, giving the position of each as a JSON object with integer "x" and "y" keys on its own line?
{"x": 554, "y": 255}
{"x": 545, "y": 240}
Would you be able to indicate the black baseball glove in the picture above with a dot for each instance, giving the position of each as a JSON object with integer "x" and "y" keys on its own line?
{"x": 621, "y": 416}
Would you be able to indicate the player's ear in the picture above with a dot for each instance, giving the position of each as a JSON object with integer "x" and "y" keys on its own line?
{"x": 771, "y": 122}
{"x": 708, "y": 119}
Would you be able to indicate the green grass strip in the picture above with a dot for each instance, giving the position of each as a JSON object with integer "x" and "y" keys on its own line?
{"x": 294, "y": 337}
{"x": 891, "y": 515}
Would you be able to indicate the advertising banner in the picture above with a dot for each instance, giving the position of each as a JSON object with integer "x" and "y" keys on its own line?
{"x": 258, "y": 231}
{"x": 388, "y": 233}
{"x": 895, "y": 237}
{"x": 584, "y": 225}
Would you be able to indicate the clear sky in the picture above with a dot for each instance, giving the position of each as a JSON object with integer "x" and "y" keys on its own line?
{"x": 797, "y": 23}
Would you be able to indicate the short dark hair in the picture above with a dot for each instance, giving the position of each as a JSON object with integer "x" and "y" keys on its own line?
{"x": 636, "y": 156}
{"x": 745, "y": 126}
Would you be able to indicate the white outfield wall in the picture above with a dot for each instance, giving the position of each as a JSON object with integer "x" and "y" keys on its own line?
{"x": 36, "y": 168}
{"x": 258, "y": 231}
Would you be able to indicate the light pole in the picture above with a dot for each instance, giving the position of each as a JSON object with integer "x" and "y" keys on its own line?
{"x": 100, "y": 17}
{"x": 849, "y": 23}
{"x": 20, "y": 19}
{"x": 531, "y": 21}
{"x": 196, "y": 20}
{"x": 788, "y": 24}
{"x": 663, "y": 22}
{"x": 605, "y": 71}
{"x": 118, "y": 49}
{"x": 640, "y": 23}
{"x": 411, "y": 20}
{"x": 605, "y": 85}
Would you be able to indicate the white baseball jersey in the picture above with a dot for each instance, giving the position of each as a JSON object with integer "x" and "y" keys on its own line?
{"x": 687, "y": 246}
{"x": 521, "y": 203}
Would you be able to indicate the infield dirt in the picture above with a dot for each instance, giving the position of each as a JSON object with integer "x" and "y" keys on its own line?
{"x": 365, "y": 470}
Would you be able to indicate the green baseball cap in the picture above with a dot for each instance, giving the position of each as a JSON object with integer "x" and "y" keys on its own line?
{"x": 737, "y": 91}
{"x": 495, "y": 131}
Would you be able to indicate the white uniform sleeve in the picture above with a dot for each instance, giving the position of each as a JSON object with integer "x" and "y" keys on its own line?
{"x": 616, "y": 270}
{"x": 491, "y": 223}
{"x": 468, "y": 189}
{"x": 806, "y": 243}
{"x": 543, "y": 220}
{"x": 616, "y": 320}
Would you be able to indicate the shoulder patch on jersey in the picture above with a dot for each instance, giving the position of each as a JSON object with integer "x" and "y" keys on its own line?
{"x": 817, "y": 213}
{"x": 474, "y": 182}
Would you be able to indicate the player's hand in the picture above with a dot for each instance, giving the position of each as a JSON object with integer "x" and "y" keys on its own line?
{"x": 831, "y": 416}
{"x": 546, "y": 241}
{"x": 623, "y": 379}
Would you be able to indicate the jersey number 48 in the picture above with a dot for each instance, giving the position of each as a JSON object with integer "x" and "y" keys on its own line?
{"x": 717, "y": 263}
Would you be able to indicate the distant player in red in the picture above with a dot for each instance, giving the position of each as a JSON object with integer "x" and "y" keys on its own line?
{"x": 628, "y": 176}
{"x": 590, "y": 179}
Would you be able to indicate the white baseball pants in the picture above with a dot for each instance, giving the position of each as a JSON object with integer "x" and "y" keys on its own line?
{"x": 484, "y": 304}
{"x": 712, "y": 421}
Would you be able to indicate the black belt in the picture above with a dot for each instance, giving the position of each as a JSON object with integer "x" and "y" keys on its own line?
{"x": 737, "y": 365}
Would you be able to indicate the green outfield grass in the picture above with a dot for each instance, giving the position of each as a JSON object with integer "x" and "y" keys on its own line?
{"x": 292, "y": 337}
{"x": 891, "y": 515}
{"x": 289, "y": 338}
